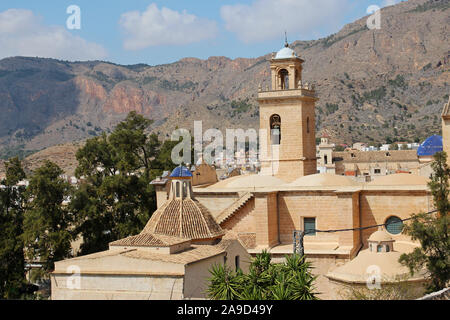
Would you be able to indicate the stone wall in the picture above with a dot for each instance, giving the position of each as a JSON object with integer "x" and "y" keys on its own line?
{"x": 378, "y": 206}
{"x": 446, "y": 137}
{"x": 331, "y": 210}
{"x": 117, "y": 287}
{"x": 266, "y": 219}
{"x": 443, "y": 294}
{"x": 204, "y": 174}
{"x": 400, "y": 291}
{"x": 196, "y": 274}
{"x": 216, "y": 202}
{"x": 243, "y": 221}
{"x": 297, "y": 152}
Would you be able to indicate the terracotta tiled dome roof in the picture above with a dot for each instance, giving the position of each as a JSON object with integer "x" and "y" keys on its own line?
{"x": 148, "y": 240}
{"x": 187, "y": 219}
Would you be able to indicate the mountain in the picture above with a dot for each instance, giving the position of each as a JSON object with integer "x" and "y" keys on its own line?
{"x": 373, "y": 85}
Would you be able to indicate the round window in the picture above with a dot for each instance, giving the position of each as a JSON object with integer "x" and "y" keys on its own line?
{"x": 394, "y": 225}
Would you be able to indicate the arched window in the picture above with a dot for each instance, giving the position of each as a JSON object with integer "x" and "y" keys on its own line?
{"x": 388, "y": 248}
{"x": 307, "y": 125}
{"x": 284, "y": 77}
{"x": 177, "y": 187}
{"x": 184, "y": 189}
{"x": 237, "y": 263}
{"x": 275, "y": 129}
{"x": 394, "y": 225}
{"x": 379, "y": 248}
{"x": 326, "y": 159}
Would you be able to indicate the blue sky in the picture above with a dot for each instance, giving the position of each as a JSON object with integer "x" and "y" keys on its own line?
{"x": 158, "y": 32}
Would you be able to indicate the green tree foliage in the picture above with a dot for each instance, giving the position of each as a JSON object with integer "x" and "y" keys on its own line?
{"x": 393, "y": 146}
{"x": 432, "y": 230}
{"x": 331, "y": 108}
{"x": 12, "y": 260}
{"x": 290, "y": 280}
{"x": 116, "y": 199}
{"x": 47, "y": 221}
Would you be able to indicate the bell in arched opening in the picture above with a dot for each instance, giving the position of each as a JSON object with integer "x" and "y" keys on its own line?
{"x": 275, "y": 129}
{"x": 284, "y": 79}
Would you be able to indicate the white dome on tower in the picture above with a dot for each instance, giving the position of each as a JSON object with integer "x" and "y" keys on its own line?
{"x": 286, "y": 53}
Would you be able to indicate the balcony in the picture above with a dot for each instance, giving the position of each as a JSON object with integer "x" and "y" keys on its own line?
{"x": 290, "y": 93}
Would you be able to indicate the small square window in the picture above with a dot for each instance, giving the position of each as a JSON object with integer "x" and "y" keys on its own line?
{"x": 377, "y": 171}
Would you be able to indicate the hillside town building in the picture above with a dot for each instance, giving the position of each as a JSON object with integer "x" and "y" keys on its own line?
{"x": 325, "y": 163}
{"x": 366, "y": 165}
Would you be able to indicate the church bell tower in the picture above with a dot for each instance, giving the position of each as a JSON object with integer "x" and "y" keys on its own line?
{"x": 287, "y": 116}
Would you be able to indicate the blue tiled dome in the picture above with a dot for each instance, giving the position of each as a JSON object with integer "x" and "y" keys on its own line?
{"x": 430, "y": 146}
{"x": 181, "y": 172}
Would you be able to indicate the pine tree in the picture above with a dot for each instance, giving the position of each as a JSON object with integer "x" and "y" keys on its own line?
{"x": 12, "y": 260}
{"x": 115, "y": 198}
{"x": 47, "y": 221}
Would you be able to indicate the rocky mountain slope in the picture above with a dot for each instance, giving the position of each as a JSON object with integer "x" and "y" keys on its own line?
{"x": 373, "y": 85}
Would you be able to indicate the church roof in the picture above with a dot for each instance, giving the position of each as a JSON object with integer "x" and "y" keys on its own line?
{"x": 323, "y": 180}
{"x": 195, "y": 254}
{"x": 379, "y": 236}
{"x": 387, "y": 262}
{"x": 186, "y": 219}
{"x": 148, "y": 240}
{"x": 181, "y": 172}
{"x": 248, "y": 181}
{"x": 376, "y": 156}
{"x": 430, "y": 146}
{"x": 136, "y": 261}
{"x": 399, "y": 179}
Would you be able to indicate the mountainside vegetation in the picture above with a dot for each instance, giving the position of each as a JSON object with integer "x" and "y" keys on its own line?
{"x": 373, "y": 85}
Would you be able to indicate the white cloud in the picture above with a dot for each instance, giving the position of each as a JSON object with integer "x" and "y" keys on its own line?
{"x": 268, "y": 19}
{"x": 24, "y": 34}
{"x": 387, "y": 3}
{"x": 155, "y": 27}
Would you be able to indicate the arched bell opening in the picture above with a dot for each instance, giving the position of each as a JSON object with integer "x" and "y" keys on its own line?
{"x": 275, "y": 129}
{"x": 283, "y": 74}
